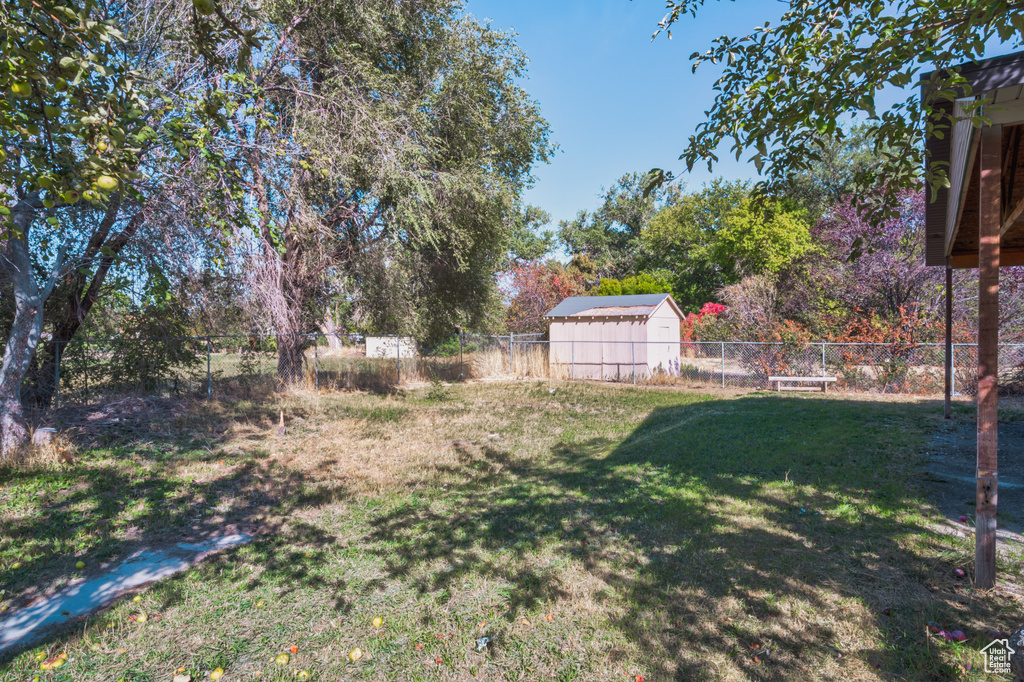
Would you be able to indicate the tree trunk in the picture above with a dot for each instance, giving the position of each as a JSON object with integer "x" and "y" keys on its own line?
{"x": 279, "y": 278}
{"x": 290, "y": 359}
{"x": 27, "y": 326}
{"x": 21, "y": 347}
{"x": 330, "y": 329}
{"x": 78, "y": 304}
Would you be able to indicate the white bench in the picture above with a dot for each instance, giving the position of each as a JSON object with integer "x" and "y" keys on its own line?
{"x": 779, "y": 381}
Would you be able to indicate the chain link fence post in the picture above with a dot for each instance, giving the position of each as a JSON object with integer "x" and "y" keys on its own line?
{"x": 723, "y": 364}
{"x": 572, "y": 358}
{"x": 632, "y": 355}
{"x": 462, "y": 371}
{"x": 56, "y": 374}
{"x": 511, "y": 353}
{"x": 398, "y": 359}
{"x": 209, "y": 376}
{"x": 822, "y": 359}
{"x": 316, "y": 362}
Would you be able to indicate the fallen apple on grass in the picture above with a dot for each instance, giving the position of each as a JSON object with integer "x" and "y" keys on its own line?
{"x": 54, "y": 663}
{"x": 355, "y": 654}
{"x": 217, "y": 674}
{"x": 80, "y": 565}
{"x": 378, "y": 621}
{"x": 282, "y": 659}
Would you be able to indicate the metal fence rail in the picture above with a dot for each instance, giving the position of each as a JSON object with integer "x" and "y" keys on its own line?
{"x": 95, "y": 370}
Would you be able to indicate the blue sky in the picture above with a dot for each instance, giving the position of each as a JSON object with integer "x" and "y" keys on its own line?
{"x": 616, "y": 101}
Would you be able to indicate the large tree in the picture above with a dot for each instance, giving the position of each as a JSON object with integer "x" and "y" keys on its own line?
{"x": 383, "y": 148}
{"x": 682, "y": 239}
{"x": 610, "y": 236}
{"x": 76, "y": 123}
{"x": 788, "y": 86}
{"x": 536, "y": 288}
{"x": 829, "y": 180}
{"x": 713, "y": 237}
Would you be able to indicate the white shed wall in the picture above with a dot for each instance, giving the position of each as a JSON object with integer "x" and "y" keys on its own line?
{"x": 663, "y": 339}
{"x": 599, "y": 348}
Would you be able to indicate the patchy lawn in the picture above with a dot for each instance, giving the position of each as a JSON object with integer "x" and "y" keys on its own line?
{"x": 592, "y": 533}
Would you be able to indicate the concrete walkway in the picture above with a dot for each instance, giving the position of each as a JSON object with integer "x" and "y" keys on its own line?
{"x": 28, "y": 625}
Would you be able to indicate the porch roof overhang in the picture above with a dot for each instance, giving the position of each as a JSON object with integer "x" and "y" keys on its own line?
{"x": 951, "y": 221}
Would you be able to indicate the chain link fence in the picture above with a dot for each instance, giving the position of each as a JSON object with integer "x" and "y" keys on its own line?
{"x": 94, "y": 371}
{"x": 858, "y": 367}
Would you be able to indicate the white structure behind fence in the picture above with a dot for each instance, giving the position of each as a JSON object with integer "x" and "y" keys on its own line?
{"x": 384, "y": 347}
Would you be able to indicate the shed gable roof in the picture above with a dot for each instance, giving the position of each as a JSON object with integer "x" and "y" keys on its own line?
{"x": 635, "y": 305}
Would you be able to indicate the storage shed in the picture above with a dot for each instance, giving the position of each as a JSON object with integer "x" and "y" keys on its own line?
{"x": 613, "y": 338}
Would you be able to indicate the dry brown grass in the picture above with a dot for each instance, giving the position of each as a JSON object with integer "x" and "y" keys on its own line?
{"x": 60, "y": 450}
{"x": 385, "y": 448}
{"x": 531, "y": 361}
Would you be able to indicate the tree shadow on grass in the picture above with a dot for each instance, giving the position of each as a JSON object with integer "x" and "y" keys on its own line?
{"x": 104, "y": 508}
{"x": 745, "y": 538}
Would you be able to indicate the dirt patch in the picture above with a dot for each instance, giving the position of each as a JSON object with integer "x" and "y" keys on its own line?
{"x": 951, "y": 466}
{"x": 91, "y": 425}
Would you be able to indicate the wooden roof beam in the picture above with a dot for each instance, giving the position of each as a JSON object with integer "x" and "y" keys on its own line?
{"x": 1016, "y": 213}
{"x": 969, "y": 259}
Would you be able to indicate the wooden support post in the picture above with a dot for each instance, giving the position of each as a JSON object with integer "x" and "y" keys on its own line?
{"x": 988, "y": 355}
{"x": 949, "y": 343}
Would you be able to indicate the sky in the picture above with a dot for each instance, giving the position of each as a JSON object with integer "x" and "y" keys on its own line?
{"x": 616, "y": 101}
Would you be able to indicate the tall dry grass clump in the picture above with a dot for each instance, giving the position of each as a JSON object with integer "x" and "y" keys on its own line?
{"x": 488, "y": 364}
{"x": 57, "y": 450}
{"x": 531, "y": 361}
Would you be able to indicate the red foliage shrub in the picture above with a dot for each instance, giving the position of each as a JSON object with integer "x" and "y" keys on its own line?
{"x": 537, "y": 287}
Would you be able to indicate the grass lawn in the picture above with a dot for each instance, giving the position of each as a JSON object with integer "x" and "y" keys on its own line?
{"x": 593, "y": 533}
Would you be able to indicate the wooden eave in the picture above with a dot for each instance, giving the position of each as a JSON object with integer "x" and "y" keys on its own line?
{"x": 951, "y": 220}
